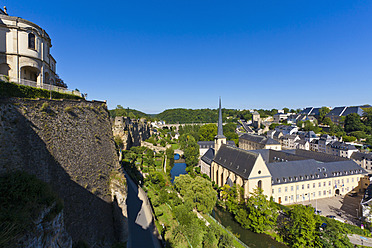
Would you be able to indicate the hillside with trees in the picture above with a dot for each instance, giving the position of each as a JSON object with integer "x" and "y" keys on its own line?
{"x": 132, "y": 113}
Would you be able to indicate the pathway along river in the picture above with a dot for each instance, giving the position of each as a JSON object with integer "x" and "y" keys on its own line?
{"x": 251, "y": 239}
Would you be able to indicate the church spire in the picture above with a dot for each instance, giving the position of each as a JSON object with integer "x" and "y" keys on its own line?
{"x": 220, "y": 128}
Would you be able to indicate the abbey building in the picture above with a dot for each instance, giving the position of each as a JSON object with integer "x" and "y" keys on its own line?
{"x": 289, "y": 176}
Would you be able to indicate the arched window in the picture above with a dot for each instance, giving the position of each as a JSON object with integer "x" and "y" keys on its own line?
{"x": 31, "y": 41}
{"x": 259, "y": 184}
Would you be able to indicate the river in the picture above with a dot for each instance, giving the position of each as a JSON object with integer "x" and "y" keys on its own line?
{"x": 178, "y": 168}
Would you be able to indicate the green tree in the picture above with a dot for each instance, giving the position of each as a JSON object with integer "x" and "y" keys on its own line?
{"x": 353, "y": 123}
{"x": 261, "y": 212}
{"x": 286, "y": 110}
{"x": 190, "y": 148}
{"x": 273, "y": 126}
{"x": 197, "y": 191}
{"x": 327, "y": 121}
{"x": 190, "y": 225}
{"x": 301, "y": 227}
{"x": 207, "y": 132}
{"x": 334, "y": 234}
{"x": 323, "y": 111}
{"x": 359, "y": 134}
{"x": 347, "y": 138}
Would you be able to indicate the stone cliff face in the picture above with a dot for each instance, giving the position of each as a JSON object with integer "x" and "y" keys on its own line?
{"x": 50, "y": 234}
{"x": 69, "y": 144}
{"x": 131, "y": 131}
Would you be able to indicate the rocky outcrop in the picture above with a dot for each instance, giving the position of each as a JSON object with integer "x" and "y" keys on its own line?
{"x": 68, "y": 144}
{"x": 131, "y": 131}
{"x": 50, "y": 234}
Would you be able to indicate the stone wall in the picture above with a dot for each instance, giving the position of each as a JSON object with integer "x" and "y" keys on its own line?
{"x": 132, "y": 131}
{"x": 68, "y": 144}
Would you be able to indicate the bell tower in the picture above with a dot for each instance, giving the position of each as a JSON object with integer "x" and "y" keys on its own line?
{"x": 220, "y": 138}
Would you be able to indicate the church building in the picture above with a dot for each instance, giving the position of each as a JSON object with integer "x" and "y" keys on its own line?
{"x": 288, "y": 176}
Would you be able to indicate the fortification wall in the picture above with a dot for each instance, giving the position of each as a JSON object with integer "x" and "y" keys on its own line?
{"x": 69, "y": 144}
{"x": 132, "y": 131}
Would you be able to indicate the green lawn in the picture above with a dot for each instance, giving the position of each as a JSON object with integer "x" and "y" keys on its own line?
{"x": 175, "y": 146}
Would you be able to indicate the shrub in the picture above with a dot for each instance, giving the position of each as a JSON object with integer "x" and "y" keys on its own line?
{"x": 15, "y": 90}
{"x": 22, "y": 198}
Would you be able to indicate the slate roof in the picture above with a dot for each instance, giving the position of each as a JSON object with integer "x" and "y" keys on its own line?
{"x": 208, "y": 156}
{"x": 301, "y": 142}
{"x": 246, "y": 127}
{"x": 306, "y": 111}
{"x": 289, "y": 136}
{"x": 342, "y": 146}
{"x": 237, "y": 160}
{"x": 361, "y": 156}
{"x": 259, "y": 139}
{"x": 315, "y": 111}
{"x": 276, "y": 134}
{"x": 271, "y": 156}
{"x": 310, "y": 111}
{"x": 318, "y": 156}
{"x": 336, "y": 111}
{"x": 351, "y": 110}
{"x": 210, "y": 144}
{"x": 307, "y": 170}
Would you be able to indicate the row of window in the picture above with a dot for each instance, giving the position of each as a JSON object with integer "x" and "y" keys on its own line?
{"x": 337, "y": 182}
{"x": 303, "y": 197}
{"x": 339, "y": 173}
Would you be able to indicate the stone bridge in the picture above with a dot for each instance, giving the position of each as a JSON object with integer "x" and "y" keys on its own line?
{"x": 169, "y": 126}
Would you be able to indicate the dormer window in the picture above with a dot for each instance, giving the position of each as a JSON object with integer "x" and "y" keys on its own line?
{"x": 31, "y": 41}
{"x": 244, "y": 171}
{"x": 284, "y": 179}
{"x": 278, "y": 180}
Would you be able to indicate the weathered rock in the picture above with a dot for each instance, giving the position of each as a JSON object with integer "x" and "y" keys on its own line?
{"x": 131, "y": 131}
{"x": 68, "y": 144}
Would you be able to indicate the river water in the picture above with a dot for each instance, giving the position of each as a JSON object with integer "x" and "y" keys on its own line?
{"x": 178, "y": 168}
{"x": 251, "y": 239}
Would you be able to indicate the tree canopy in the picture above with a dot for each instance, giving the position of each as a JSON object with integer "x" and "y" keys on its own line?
{"x": 197, "y": 191}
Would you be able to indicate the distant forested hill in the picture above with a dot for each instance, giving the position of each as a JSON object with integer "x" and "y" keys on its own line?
{"x": 181, "y": 115}
{"x": 132, "y": 113}
{"x": 188, "y": 115}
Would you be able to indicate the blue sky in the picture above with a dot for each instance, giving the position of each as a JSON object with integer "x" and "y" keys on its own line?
{"x": 156, "y": 55}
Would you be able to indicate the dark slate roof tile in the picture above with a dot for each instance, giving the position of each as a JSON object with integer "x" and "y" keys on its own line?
{"x": 307, "y": 170}
{"x": 361, "y": 156}
{"x": 208, "y": 156}
{"x": 236, "y": 160}
{"x": 259, "y": 139}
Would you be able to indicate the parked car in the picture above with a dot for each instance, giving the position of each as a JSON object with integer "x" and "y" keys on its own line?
{"x": 331, "y": 216}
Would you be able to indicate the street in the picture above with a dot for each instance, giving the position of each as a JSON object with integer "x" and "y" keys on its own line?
{"x": 141, "y": 227}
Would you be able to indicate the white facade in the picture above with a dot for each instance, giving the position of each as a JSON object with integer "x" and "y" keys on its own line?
{"x": 25, "y": 51}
